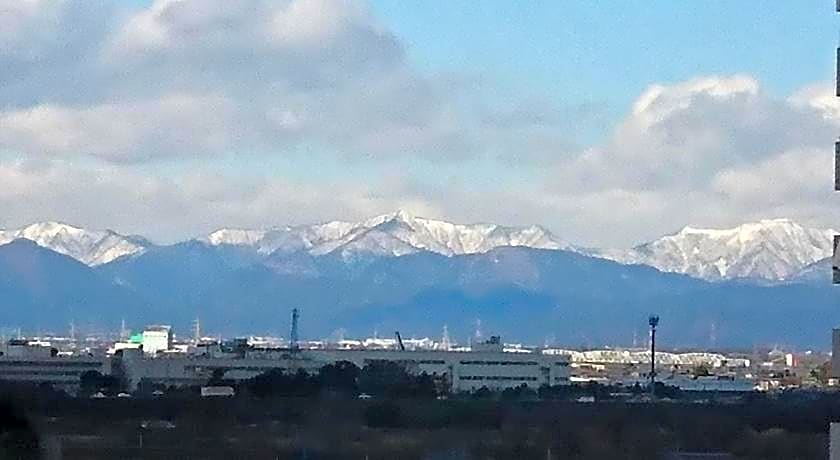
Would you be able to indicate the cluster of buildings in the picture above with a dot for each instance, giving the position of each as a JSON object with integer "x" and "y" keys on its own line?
{"x": 37, "y": 363}
{"x": 153, "y": 357}
{"x": 156, "y": 358}
{"x": 485, "y": 365}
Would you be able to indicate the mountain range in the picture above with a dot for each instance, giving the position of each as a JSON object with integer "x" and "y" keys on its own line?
{"x": 91, "y": 247}
{"x": 760, "y": 282}
{"x": 388, "y": 235}
{"x": 770, "y": 250}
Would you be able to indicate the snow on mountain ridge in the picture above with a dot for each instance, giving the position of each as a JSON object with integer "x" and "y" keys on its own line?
{"x": 770, "y": 249}
{"x": 91, "y": 247}
{"x": 394, "y": 234}
{"x": 286, "y": 239}
{"x": 235, "y": 236}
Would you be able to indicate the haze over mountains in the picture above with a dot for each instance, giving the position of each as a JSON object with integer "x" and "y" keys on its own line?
{"x": 415, "y": 274}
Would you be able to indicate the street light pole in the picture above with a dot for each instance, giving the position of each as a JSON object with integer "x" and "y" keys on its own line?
{"x": 653, "y": 321}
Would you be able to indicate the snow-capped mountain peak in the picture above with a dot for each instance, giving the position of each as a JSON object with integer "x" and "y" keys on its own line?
{"x": 235, "y": 236}
{"x": 400, "y": 215}
{"x": 91, "y": 247}
{"x": 770, "y": 249}
{"x": 393, "y": 234}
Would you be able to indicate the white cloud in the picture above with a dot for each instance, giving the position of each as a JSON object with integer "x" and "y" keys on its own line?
{"x": 123, "y": 91}
{"x": 709, "y": 151}
{"x": 185, "y": 205}
{"x": 660, "y": 101}
{"x": 131, "y": 131}
{"x": 315, "y": 22}
{"x": 128, "y": 85}
{"x": 820, "y": 97}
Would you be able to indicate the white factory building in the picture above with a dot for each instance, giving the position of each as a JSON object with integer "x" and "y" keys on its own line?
{"x": 157, "y": 361}
{"x": 186, "y": 369}
{"x": 157, "y": 339}
{"x": 486, "y": 366}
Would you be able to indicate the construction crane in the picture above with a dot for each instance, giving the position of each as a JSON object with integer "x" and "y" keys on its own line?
{"x": 399, "y": 340}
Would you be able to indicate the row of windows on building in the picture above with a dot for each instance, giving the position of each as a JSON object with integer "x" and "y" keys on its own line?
{"x": 35, "y": 372}
{"x": 56, "y": 363}
{"x": 200, "y": 369}
{"x": 406, "y": 361}
{"x": 497, "y": 377}
{"x": 499, "y": 363}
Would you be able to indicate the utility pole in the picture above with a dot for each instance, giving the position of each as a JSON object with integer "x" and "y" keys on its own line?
{"x": 653, "y": 321}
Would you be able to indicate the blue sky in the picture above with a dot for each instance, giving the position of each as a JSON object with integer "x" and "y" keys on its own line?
{"x": 610, "y": 123}
{"x": 606, "y": 53}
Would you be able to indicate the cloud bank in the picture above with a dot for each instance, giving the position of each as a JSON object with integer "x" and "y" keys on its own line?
{"x": 131, "y": 118}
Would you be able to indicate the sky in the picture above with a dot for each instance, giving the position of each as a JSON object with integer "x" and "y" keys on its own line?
{"x": 608, "y": 123}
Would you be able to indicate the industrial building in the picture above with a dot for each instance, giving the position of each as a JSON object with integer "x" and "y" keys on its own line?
{"x": 197, "y": 369}
{"x": 38, "y": 363}
{"x": 487, "y": 366}
{"x": 154, "y": 360}
{"x": 156, "y": 339}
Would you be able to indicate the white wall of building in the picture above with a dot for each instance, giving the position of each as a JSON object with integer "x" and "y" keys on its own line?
{"x": 464, "y": 371}
{"x": 156, "y": 339}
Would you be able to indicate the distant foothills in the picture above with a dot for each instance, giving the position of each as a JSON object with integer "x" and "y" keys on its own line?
{"x": 760, "y": 283}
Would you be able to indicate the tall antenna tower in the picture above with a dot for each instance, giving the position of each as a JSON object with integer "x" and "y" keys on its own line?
{"x": 123, "y": 330}
{"x": 293, "y": 336}
{"x": 197, "y": 330}
{"x": 478, "y": 330}
{"x": 444, "y": 341}
{"x": 713, "y": 336}
{"x": 653, "y": 322}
